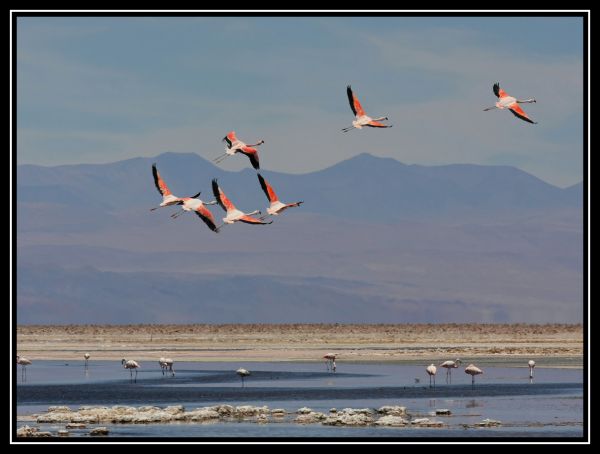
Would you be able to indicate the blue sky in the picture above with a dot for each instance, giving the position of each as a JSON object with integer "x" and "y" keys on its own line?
{"x": 95, "y": 90}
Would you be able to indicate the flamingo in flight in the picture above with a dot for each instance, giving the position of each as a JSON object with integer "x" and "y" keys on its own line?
{"x": 362, "y": 119}
{"x": 168, "y": 197}
{"x": 510, "y": 103}
{"x": 237, "y": 146}
{"x": 472, "y": 371}
{"x": 233, "y": 214}
{"x": 131, "y": 365}
{"x": 197, "y": 206}
{"x": 276, "y": 205}
{"x": 431, "y": 370}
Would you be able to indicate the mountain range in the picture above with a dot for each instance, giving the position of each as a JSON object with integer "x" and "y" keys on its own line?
{"x": 376, "y": 240}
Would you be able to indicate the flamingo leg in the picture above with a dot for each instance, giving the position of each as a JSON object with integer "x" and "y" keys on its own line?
{"x": 177, "y": 214}
{"x": 221, "y": 158}
{"x": 490, "y": 108}
{"x": 135, "y": 380}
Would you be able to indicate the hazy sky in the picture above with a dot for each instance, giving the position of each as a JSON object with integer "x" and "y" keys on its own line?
{"x": 95, "y": 90}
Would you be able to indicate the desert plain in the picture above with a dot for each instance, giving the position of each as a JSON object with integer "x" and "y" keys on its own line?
{"x": 556, "y": 345}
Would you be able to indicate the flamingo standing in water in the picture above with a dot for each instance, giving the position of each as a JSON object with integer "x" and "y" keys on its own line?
{"x": 86, "y": 356}
{"x": 329, "y": 358}
{"x": 166, "y": 364}
{"x": 510, "y": 103}
{"x": 24, "y": 362}
{"x": 237, "y": 146}
{"x": 131, "y": 365}
{"x": 276, "y": 206}
{"x": 362, "y": 119}
{"x": 531, "y": 364}
{"x": 449, "y": 365}
{"x": 242, "y": 373}
{"x": 431, "y": 370}
{"x": 233, "y": 214}
{"x": 472, "y": 371}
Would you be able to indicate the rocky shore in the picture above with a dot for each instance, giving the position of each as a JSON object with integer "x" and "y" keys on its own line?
{"x": 88, "y": 420}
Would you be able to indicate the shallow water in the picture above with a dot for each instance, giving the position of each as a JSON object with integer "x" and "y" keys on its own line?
{"x": 550, "y": 406}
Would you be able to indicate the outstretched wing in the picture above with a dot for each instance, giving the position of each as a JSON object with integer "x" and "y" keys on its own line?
{"x": 520, "y": 113}
{"x": 377, "y": 124}
{"x": 250, "y": 220}
{"x": 160, "y": 183}
{"x": 252, "y": 154}
{"x": 268, "y": 189}
{"x": 498, "y": 91}
{"x": 354, "y": 104}
{"x": 204, "y": 214}
{"x": 221, "y": 197}
{"x": 230, "y": 138}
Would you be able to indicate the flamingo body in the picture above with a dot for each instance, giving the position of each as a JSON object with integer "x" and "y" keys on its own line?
{"x": 449, "y": 365}
{"x": 531, "y": 365}
{"x": 512, "y": 104}
{"x": 472, "y": 371}
{"x": 276, "y": 205}
{"x": 233, "y": 214}
{"x": 362, "y": 119}
{"x": 234, "y": 145}
{"x": 242, "y": 373}
{"x": 131, "y": 365}
{"x": 431, "y": 370}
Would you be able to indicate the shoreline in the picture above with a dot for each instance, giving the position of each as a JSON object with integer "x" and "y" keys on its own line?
{"x": 559, "y": 345}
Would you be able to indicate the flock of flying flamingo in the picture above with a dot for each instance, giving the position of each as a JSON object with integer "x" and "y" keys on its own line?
{"x": 233, "y": 214}
{"x": 234, "y": 145}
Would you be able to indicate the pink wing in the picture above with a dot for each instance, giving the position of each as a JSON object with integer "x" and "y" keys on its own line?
{"x": 520, "y": 113}
{"x": 160, "y": 183}
{"x": 252, "y": 154}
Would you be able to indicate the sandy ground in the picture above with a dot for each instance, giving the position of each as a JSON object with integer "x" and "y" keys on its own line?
{"x": 563, "y": 344}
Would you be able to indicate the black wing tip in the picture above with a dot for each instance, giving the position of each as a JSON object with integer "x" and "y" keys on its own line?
{"x": 195, "y": 196}
{"x": 497, "y": 89}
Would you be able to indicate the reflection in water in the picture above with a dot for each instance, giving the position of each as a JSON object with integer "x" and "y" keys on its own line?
{"x": 473, "y": 403}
